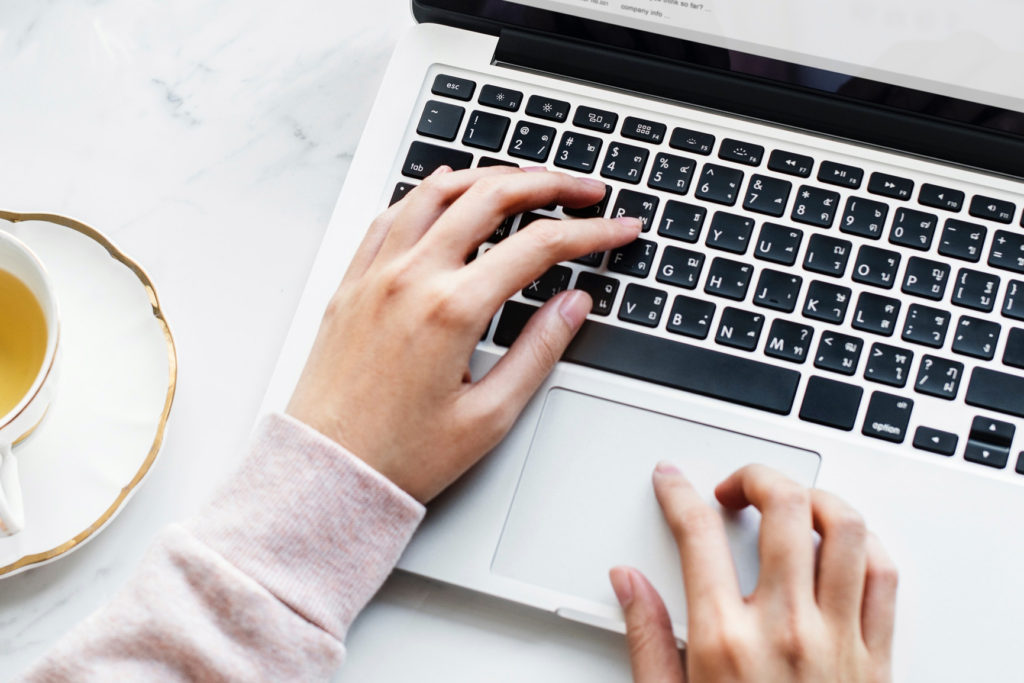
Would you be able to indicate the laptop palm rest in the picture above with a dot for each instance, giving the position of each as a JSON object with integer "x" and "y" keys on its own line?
{"x": 585, "y": 502}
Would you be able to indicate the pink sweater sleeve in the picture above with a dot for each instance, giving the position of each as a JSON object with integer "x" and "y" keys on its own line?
{"x": 263, "y": 584}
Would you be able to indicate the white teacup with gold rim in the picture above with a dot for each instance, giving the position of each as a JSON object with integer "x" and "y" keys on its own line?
{"x": 29, "y": 334}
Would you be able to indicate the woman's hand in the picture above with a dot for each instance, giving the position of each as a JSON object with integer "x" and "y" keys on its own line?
{"x": 825, "y": 616}
{"x": 388, "y": 374}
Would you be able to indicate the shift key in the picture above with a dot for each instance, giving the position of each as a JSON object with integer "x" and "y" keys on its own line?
{"x": 996, "y": 391}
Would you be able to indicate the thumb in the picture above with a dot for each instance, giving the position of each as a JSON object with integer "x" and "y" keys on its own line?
{"x": 652, "y": 647}
{"x": 515, "y": 378}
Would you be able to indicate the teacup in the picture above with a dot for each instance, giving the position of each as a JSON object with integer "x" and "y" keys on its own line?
{"x": 29, "y": 335}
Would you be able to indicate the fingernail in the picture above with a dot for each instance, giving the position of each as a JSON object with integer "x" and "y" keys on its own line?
{"x": 622, "y": 584}
{"x": 667, "y": 468}
{"x": 592, "y": 183}
{"x": 533, "y": 169}
{"x": 630, "y": 222}
{"x": 440, "y": 170}
{"x": 573, "y": 308}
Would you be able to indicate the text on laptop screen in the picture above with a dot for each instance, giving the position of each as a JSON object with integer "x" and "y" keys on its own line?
{"x": 967, "y": 50}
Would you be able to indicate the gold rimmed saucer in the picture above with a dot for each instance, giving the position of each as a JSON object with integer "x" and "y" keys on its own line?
{"x": 107, "y": 423}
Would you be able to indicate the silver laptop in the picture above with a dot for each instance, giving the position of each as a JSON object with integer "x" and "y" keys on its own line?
{"x": 830, "y": 282}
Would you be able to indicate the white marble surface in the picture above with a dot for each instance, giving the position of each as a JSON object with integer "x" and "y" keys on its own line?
{"x": 210, "y": 140}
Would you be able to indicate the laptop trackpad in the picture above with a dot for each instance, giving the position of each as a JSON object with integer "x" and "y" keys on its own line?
{"x": 585, "y": 502}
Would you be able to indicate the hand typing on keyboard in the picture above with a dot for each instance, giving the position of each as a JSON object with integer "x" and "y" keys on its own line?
{"x": 388, "y": 375}
{"x": 814, "y": 616}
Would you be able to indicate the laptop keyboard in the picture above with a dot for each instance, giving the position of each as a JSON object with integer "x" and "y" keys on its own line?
{"x": 768, "y": 278}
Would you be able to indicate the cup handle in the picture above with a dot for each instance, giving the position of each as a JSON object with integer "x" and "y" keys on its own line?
{"x": 12, "y": 511}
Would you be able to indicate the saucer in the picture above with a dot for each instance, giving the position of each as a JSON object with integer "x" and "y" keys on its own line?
{"x": 118, "y": 370}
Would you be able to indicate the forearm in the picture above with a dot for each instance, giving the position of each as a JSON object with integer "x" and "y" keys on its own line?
{"x": 264, "y": 583}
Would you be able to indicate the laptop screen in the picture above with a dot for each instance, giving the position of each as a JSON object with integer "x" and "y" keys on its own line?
{"x": 950, "y": 59}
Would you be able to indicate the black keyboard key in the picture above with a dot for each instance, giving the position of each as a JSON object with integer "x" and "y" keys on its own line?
{"x": 719, "y": 184}
{"x": 843, "y": 175}
{"x": 939, "y": 377}
{"x": 1013, "y": 355}
{"x": 962, "y": 240}
{"x": 634, "y": 258}
{"x": 682, "y": 221}
{"x": 914, "y": 229}
{"x": 739, "y": 329}
{"x": 592, "y": 211}
{"x": 743, "y": 381}
{"x": 452, "y": 86}
{"x": 503, "y": 230}
{"x": 424, "y": 158}
{"x": 486, "y": 131}
{"x": 976, "y": 290}
{"x": 831, "y": 403}
{"x": 578, "y": 152}
{"x": 789, "y": 341}
{"x": 401, "y": 189}
{"x": 602, "y": 291}
{"x": 995, "y": 432}
{"x": 926, "y": 325}
{"x": 672, "y": 173}
{"x": 941, "y": 197}
{"x": 997, "y": 391}
{"x": 815, "y": 206}
{"x": 926, "y": 278}
{"x": 595, "y": 119}
{"x": 680, "y": 267}
{"x": 864, "y": 217}
{"x": 777, "y": 291}
{"x": 1020, "y": 463}
{"x": 593, "y": 259}
{"x": 529, "y": 218}
{"x": 729, "y": 279}
{"x": 741, "y": 152}
{"x": 491, "y": 161}
{"x": 986, "y": 454}
{"x": 500, "y": 98}
{"x": 692, "y": 141}
{"x": 643, "y": 130}
{"x": 778, "y": 244}
{"x": 790, "y": 163}
{"x": 531, "y": 141}
{"x": 976, "y": 338}
{"x": 935, "y": 441}
{"x": 1013, "y": 302}
{"x": 624, "y": 162}
{"x": 691, "y": 317}
{"x": 1007, "y": 251}
{"x": 876, "y": 313}
{"x": 547, "y": 108}
{"x": 642, "y": 305}
{"x": 838, "y": 352}
{"x": 890, "y": 186}
{"x": 826, "y": 302}
{"x": 876, "y": 266}
{"x": 888, "y": 417}
{"x": 767, "y": 195}
{"x": 998, "y": 210}
{"x": 730, "y": 232}
{"x": 827, "y": 255}
{"x": 636, "y": 205}
{"x": 440, "y": 120}
{"x": 888, "y": 365}
{"x": 554, "y": 280}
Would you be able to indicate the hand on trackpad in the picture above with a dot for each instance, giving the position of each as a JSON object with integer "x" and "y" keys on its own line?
{"x": 585, "y": 503}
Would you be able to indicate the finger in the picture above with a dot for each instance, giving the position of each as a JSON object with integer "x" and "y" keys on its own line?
{"x": 878, "y": 617}
{"x": 512, "y": 264}
{"x": 426, "y": 202}
{"x": 709, "y": 577}
{"x": 505, "y": 390}
{"x": 786, "y": 547}
{"x": 652, "y": 647}
{"x": 376, "y": 233}
{"x": 842, "y": 558}
{"x": 475, "y": 214}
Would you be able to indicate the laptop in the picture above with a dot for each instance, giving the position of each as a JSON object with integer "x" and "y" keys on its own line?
{"x": 830, "y": 281}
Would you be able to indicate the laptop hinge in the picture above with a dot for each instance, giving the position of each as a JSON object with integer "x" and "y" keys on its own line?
{"x": 760, "y": 99}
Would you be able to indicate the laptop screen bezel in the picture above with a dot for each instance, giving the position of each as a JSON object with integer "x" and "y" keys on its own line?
{"x": 492, "y": 16}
